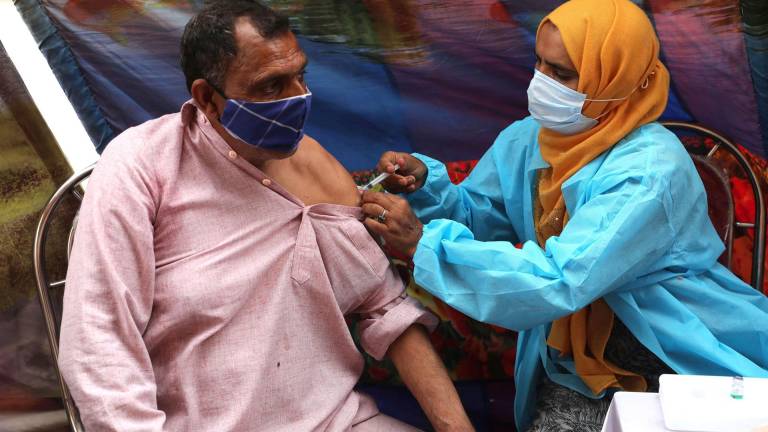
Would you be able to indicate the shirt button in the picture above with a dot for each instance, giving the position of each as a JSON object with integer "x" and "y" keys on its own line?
{"x": 266, "y": 182}
{"x": 232, "y": 154}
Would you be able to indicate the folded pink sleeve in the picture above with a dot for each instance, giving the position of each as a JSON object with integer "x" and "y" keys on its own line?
{"x": 388, "y": 313}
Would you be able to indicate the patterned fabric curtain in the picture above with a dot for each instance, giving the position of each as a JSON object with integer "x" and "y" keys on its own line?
{"x": 438, "y": 77}
{"x": 31, "y": 167}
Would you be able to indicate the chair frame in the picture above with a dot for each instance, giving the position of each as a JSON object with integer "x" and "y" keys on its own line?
{"x": 44, "y": 286}
{"x": 702, "y": 161}
{"x": 721, "y": 142}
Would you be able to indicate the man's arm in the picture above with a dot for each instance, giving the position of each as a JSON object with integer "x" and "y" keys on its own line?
{"x": 108, "y": 301}
{"x": 392, "y": 322}
{"x": 425, "y": 376}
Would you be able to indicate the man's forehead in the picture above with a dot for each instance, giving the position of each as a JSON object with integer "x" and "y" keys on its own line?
{"x": 246, "y": 31}
{"x": 256, "y": 50}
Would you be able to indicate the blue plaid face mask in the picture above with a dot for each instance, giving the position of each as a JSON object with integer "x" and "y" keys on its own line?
{"x": 273, "y": 125}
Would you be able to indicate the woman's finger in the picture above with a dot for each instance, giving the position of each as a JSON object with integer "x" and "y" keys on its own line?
{"x": 384, "y": 200}
{"x": 394, "y": 184}
{"x": 406, "y": 164}
{"x": 387, "y": 162}
{"x": 375, "y": 226}
{"x": 372, "y": 210}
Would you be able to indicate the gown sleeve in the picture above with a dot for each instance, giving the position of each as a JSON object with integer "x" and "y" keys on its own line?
{"x": 621, "y": 230}
{"x": 479, "y": 201}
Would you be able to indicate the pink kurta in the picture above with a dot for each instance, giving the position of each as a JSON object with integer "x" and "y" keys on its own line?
{"x": 201, "y": 296}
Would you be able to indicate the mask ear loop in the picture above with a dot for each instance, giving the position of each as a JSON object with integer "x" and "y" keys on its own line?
{"x": 217, "y": 90}
{"x": 643, "y": 86}
{"x": 611, "y": 100}
{"x": 608, "y": 100}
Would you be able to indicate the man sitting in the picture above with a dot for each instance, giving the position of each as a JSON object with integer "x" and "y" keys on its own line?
{"x": 218, "y": 253}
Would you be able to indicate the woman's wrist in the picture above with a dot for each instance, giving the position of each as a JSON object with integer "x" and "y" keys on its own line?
{"x": 419, "y": 232}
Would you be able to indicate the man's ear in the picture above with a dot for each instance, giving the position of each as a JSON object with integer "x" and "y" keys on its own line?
{"x": 203, "y": 94}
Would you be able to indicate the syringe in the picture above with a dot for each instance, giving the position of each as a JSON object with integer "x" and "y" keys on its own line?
{"x": 378, "y": 179}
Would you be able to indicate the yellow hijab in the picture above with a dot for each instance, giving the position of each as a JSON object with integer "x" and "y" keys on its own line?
{"x": 615, "y": 50}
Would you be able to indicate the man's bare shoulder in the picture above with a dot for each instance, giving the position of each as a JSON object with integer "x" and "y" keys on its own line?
{"x": 329, "y": 173}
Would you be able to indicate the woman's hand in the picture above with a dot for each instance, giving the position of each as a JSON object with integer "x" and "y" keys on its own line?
{"x": 391, "y": 217}
{"x": 408, "y": 177}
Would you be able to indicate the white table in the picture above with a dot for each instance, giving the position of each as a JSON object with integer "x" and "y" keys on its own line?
{"x": 634, "y": 412}
{"x": 642, "y": 412}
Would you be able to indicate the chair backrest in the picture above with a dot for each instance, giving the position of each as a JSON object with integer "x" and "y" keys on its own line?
{"x": 719, "y": 192}
{"x": 44, "y": 285}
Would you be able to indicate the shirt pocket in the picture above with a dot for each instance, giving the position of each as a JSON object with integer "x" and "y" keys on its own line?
{"x": 336, "y": 252}
{"x": 354, "y": 264}
{"x": 369, "y": 251}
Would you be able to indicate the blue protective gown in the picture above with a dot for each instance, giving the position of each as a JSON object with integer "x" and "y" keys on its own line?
{"x": 639, "y": 236}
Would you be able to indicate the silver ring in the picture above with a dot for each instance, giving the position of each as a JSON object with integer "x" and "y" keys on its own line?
{"x": 382, "y": 218}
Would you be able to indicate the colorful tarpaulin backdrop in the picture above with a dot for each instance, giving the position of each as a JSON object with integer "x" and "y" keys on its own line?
{"x": 440, "y": 77}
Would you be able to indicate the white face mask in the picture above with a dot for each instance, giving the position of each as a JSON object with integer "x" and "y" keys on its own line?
{"x": 557, "y": 107}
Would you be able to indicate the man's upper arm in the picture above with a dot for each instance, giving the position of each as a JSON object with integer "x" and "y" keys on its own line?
{"x": 108, "y": 300}
{"x": 387, "y": 311}
{"x": 336, "y": 179}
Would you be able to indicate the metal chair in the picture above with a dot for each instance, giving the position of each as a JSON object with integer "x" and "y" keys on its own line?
{"x": 716, "y": 181}
{"x": 44, "y": 286}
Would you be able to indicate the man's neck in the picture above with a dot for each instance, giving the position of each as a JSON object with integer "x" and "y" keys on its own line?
{"x": 259, "y": 158}
{"x": 260, "y": 163}
{"x": 310, "y": 174}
